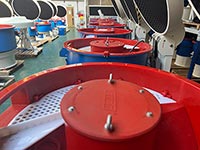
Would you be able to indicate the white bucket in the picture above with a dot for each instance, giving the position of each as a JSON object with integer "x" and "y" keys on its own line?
{"x": 196, "y": 71}
{"x": 183, "y": 61}
{"x": 186, "y": 13}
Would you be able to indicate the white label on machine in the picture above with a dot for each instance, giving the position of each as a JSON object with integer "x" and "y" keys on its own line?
{"x": 161, "y": 99}
{"x": 130, "y": 47}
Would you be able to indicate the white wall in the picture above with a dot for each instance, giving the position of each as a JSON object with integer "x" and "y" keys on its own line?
{"x": 80, "y": 7}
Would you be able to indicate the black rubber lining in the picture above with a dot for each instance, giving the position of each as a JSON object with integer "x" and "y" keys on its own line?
{"x": 131, "y": 7}
{"x": 27, "y": 8}
{"x": 54, "y": 8}
{"x": 61, "y": 11}
{"x": 125, "y": 8}
{"x": 116, "y": 8}
{"x": 46, "y": 10}
{"x": 4, "y": 10}
{"x": 155, "y": 13}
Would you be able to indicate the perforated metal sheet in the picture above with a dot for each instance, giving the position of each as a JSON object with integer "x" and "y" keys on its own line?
{"x": 195, "y": 6}
{"x": 47, "y": 105}
{"x": 61, "y": 11}
{"x": 5, "y": 9}
{"x": 125, "y": 8}
{"x": 54, "y": 7}
{"x": 106, "y": 10}
{"x": 116, "y": 8}
{"x": 155, "y": 13}
{"x": 28, "y": 8}
{"x": 131, "y": 7}
{"x": 47, "y": 10}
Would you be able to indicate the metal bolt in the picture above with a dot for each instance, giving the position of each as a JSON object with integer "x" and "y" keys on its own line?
{"x": 107, "y": 42}
{"x": 108, "y": 125}
{"x": 71, "y": 108}
{"x": 149, "y": 114}
{"x": 111, "y": 81}
{"x": 80, "y": 87}
{"x": 141, "y": 91}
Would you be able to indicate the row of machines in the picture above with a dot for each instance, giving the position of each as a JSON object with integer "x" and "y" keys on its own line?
{"x": 29, "y": 19}
{"x": 51, "y": 21}
{"x": 166, "y": 31}
{"x": 104, "y": 100}
{"x": 30, "y": 14}
{"x": 143, "y": 29}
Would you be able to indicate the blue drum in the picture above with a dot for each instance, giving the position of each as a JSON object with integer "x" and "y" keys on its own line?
{"x": 44, "y": 27}
{"x": 53, "y": 24}
{"x": 7, "y": 38}
{"x": 62, "y": 30}
{"x": 7, "y": 46}
{"x": 32, "y": 31}
{"x": 60, "y": 22}
{"x": 105, "y": 50}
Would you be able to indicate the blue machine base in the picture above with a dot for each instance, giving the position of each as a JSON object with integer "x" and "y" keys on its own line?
{"x": 78, "y": 57}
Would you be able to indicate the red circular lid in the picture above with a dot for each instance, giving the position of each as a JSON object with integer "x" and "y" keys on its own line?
{"x": 94, "y": 23}
{"x": 110, "y": 110}
{"x": 112, "y": 46}
{"x": 106, "y": 30}
{"x": 109, "y": 23}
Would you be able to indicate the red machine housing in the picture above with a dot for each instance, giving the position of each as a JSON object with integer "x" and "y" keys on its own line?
{"x": 86, "y": 109}
{"x": 105, "y": 23}
{"x": 105, "y": 32}
{"x": 176, "y": 129}
{"x": 105, "y": 50}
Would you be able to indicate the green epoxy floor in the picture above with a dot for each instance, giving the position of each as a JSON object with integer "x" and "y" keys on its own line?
{"x": 49, "y": 58}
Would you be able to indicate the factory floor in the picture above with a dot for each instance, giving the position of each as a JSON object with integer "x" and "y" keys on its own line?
{"x": 49, "y": 58}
